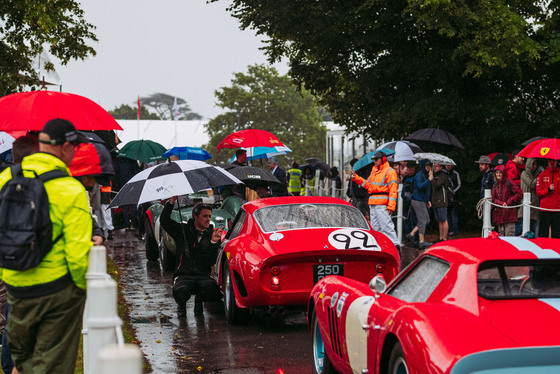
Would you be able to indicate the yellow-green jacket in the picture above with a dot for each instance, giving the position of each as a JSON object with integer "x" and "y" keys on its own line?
{"x": 69, "y": 212}
{"x": 294, "y": 184}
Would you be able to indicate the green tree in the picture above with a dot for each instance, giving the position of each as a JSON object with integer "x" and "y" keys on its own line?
{"x": 262, "y": 99}
{"x": 27, "y": 27}
{"x": 126, "y": 111}
{"x": 389, "y": 67}
{"x": 162, "y": 104}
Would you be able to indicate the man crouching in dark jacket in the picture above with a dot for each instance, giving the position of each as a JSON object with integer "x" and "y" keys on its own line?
{"x": 197, "y": 247}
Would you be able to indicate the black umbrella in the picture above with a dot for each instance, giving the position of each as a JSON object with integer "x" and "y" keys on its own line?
{"x": 499, "y": 158}
{"x": 251, "y": 176}
{"x": 317, "y": 163}
{"x": 529, "y": 141}
{"x": 436, "y": 136}
{"x": 307, "y": 166}
{"x": 92, "y": 137}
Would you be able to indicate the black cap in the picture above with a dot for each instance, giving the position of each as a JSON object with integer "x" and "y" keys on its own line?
{"x": 378, "y": 154}
{"x": 60, "y": 131}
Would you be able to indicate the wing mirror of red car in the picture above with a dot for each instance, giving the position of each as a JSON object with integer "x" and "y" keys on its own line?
{"x": 378, "y": 285}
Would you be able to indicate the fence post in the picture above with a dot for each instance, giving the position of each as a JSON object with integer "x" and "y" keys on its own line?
{"x": 526, "y": 213}
{"x": 115, "y": 359}
{"x": 333, "y": 186}
{"x": 103, "y": 323}
{"x": 399, "y": 214}
{"x": 487, "y": 215}
{"x": 97, "y": 269}
{"x": 317, "y": 183}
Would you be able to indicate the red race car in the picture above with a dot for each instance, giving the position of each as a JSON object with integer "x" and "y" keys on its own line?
{"x": 462, "y": 306}
{"x": 278, "y": 248}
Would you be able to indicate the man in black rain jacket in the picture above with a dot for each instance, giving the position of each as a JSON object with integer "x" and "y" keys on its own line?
{"x": 197, "y": 246}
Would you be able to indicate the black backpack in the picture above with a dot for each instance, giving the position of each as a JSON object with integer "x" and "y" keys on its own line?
{"x": 25, "y": 223}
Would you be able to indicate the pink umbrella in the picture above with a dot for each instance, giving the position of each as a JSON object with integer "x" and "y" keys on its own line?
{"x": 250, "y": 138}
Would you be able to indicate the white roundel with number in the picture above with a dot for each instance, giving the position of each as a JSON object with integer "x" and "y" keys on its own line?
{"x": 353, "y": 239}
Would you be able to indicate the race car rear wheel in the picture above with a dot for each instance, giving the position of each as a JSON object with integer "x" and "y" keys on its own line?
{"x": 397, "y": 362}
{"x": 152, "y": 252}
{"x": 234, "y": 314}
{"x": 321, "y": 362}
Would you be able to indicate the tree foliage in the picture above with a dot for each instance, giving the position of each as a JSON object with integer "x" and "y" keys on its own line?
{"x": 29, "y": 26}
{"x": 390, "y": 67}
{"x": 262, "y": 99}
{"x": 126, "y": 111}
{"x": 162, "y": 104}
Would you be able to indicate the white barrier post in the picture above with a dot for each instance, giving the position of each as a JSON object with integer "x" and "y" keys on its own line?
{"x": 115, "y": 359}
{"x": 317, "y": 183}
{"x": 399, "y": 214}
{"x": 103, "y": 324}
{"x": 97, "y": 269}
{"x": 487, "y": 216}
{"x": 333, "y": 186}
{"x": 526, "y": 213}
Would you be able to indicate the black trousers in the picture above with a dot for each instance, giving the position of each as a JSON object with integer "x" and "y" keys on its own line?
{"x": 547, "y": 219}
{"x": 203, "y": 286}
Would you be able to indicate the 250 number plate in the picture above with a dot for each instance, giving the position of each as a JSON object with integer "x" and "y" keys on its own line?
{"x": 322, "y": 270}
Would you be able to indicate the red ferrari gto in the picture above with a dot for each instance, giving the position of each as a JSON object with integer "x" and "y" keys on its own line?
{"x": 465, "y": 306}
{"x": 278, "y": 248}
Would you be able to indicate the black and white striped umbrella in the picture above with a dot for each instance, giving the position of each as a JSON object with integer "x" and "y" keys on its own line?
{"x": 170, "y": 179}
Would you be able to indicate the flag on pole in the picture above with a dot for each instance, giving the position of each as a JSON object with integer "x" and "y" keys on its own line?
{"x": 175, "y": 109}
{"x": 138, "y": 114}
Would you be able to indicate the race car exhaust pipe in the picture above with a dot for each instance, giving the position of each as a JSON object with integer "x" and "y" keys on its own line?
{"x": 272, "y": 310}
{"x": 276, "y": 310}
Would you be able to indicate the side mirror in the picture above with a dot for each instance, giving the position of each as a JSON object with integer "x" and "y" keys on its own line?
{"x": 378, "y": 285}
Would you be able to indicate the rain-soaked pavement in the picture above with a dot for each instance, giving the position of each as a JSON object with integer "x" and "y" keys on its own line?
{"x": 205, "y": 344}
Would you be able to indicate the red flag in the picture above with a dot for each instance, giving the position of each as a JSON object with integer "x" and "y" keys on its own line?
{"x": 138, "y": 114}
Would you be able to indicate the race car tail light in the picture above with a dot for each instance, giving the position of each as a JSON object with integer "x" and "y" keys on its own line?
{"x": 275, "y": 270}
{"x": 275, "y": 281}
{"x": 379, "y": 268}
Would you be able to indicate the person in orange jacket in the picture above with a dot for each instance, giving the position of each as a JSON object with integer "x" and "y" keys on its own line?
{"x": 382, "y": 187}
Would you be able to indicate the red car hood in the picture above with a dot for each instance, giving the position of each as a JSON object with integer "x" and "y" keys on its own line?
{"x": 290, "y": 241}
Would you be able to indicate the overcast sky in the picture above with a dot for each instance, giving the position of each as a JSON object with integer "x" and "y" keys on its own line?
{"x": 185, "y": 48}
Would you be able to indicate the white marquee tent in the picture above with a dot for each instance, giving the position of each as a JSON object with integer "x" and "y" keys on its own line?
{"x": 189, "y": 133}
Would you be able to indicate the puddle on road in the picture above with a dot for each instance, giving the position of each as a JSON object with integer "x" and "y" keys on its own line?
{"x": 150, "y": 319}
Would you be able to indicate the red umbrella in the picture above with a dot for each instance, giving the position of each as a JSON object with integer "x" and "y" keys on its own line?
{"x": 542, "y": 148}
{"x": 250, "y": 138}
{"x": 31, "y": 110}
{"x": 91, "y": 159}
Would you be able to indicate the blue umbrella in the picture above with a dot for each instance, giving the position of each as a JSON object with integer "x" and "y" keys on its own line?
{"x": 258, "y": 153}
{"x": 366, "y": 159}
{"x": 188, "y": 153}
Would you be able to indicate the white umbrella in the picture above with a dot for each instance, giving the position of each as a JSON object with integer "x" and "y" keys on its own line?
{"x": 435, "y": 158}
{"x": 170, "y": 179}
{"x": 6, "y": 141}
{"x": 404, "y": 151}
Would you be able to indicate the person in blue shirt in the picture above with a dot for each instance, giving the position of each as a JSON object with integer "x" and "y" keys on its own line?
{"x": 420, "y": 202}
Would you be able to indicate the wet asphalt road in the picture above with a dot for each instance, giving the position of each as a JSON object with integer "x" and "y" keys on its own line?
{"x": 202, "y": 344}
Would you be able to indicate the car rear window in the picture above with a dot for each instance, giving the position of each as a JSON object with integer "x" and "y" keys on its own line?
{"x": 519, "y": 279}
{"x": 421, "y": 281}
{"x": 299, "y": 216}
